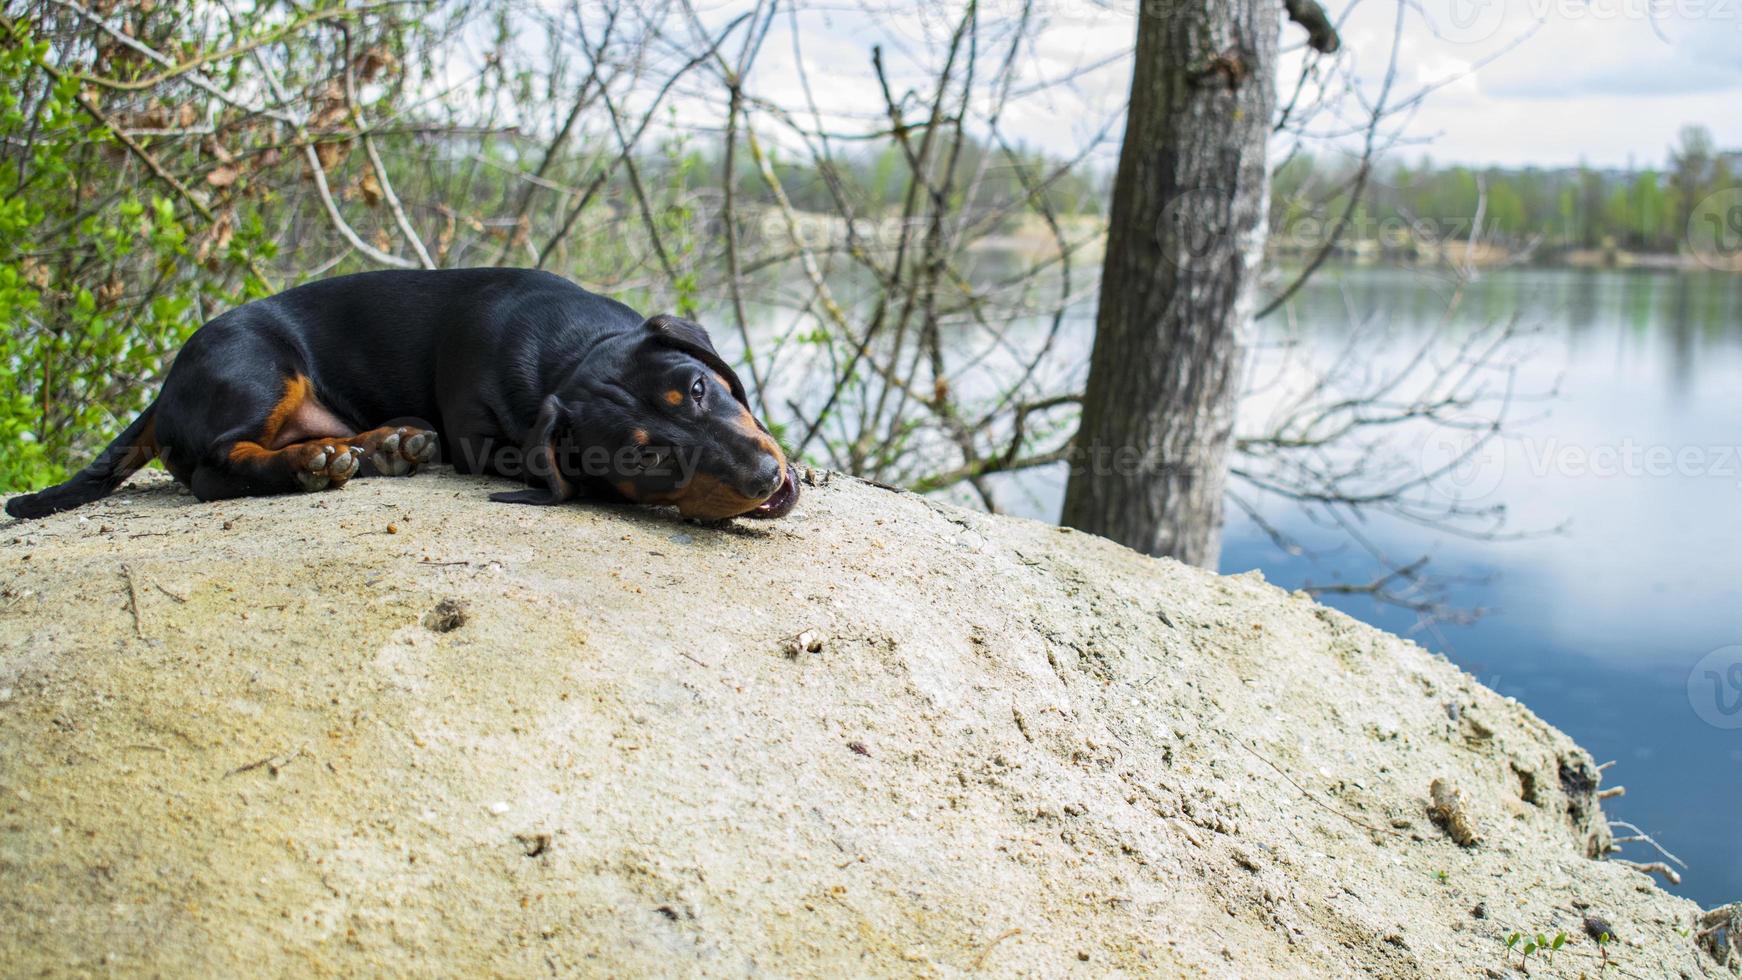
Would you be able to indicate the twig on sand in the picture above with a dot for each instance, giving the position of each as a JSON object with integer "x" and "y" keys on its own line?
{"x": 1722, "y": 925}
{"x": 1637, "y": 836}
{"x": 1006, "y": 934}
{"x": 133, "y": 602}
{"x": 1652, "y": 868}
{"x": 272, "y": 763}
{"x": 1357, "y": 821}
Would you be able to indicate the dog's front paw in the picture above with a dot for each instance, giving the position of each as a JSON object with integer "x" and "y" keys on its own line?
{"x": 323, "y": 466}
{"x": 399, "y": 452}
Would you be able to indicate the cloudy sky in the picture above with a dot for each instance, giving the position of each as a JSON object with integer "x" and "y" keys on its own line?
{"x": 1607, "y": 81}
{"x": 1550, "y": 82}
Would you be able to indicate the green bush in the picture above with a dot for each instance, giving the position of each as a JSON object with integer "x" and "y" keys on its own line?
{"x": 101, "y": 275}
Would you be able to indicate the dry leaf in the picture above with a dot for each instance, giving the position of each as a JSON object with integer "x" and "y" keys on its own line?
{"x": 370, "y": 188}
{"x": 371, "y": 62}
{"x": 330, "y": 109}
{"x": 445, "y": 238}
{"x": 216, "y": 240}
{"x": 331, "y": 155}
{"x": 223, "y": 176}
{"x": 224, "y": 230}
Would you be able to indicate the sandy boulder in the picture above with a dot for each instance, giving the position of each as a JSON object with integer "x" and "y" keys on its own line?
{"x": 398, "y": 729}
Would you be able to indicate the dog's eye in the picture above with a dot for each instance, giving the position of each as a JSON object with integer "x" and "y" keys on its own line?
{"x": 699, "y": 389}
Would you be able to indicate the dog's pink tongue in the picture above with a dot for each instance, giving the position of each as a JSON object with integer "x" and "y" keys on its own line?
{"x": 781, "y": 503}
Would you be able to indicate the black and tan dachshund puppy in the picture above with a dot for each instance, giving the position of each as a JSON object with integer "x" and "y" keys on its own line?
{"x": 520, "y": 373}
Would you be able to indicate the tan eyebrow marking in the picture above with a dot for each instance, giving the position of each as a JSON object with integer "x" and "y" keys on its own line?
{"x": 674, "y": 397}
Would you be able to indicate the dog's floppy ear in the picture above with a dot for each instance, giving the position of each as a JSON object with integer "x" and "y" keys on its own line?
{"x": 689, "y": 337}
{"x": 540, "y": 458}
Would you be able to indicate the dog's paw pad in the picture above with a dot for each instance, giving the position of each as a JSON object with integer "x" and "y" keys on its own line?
{"x": 419, "y": 447}
{"x": 402, "y": 451}
{"x": 327, "y": 466}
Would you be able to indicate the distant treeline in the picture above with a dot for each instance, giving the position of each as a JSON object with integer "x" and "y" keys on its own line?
{"x": 878, "y": 182}
{"x": 1403, "y": 205}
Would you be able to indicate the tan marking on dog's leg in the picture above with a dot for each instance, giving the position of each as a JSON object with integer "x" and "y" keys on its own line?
{"x": 318, "y": 464}
{"x": 300, "y": 417}
{"x": 296, "y": 390}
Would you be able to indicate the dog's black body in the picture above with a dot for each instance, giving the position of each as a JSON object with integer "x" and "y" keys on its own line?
{"x": 521, "y": 373}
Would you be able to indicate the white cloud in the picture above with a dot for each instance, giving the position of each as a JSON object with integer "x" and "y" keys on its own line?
{"x": 1605, "y": 81}
{"x": 1551, "y": 82}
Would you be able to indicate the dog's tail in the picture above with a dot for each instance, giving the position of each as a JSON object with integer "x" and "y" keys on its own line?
{"x": 131, "y": 450}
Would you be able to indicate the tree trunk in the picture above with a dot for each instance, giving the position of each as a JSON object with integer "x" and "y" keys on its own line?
{"x": 1185, "y": 238}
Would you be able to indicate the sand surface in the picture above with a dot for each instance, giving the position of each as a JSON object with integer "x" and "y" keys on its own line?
{"x": 397, "y": 729}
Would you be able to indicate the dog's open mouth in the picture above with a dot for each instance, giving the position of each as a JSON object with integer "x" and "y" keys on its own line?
{"x": 781, "y": 502}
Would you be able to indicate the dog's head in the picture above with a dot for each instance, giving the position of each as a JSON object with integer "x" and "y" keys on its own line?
{"x": 660, "y": 419}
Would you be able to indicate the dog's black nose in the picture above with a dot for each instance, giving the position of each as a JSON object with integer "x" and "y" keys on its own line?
{"x": 769, "y": 474}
